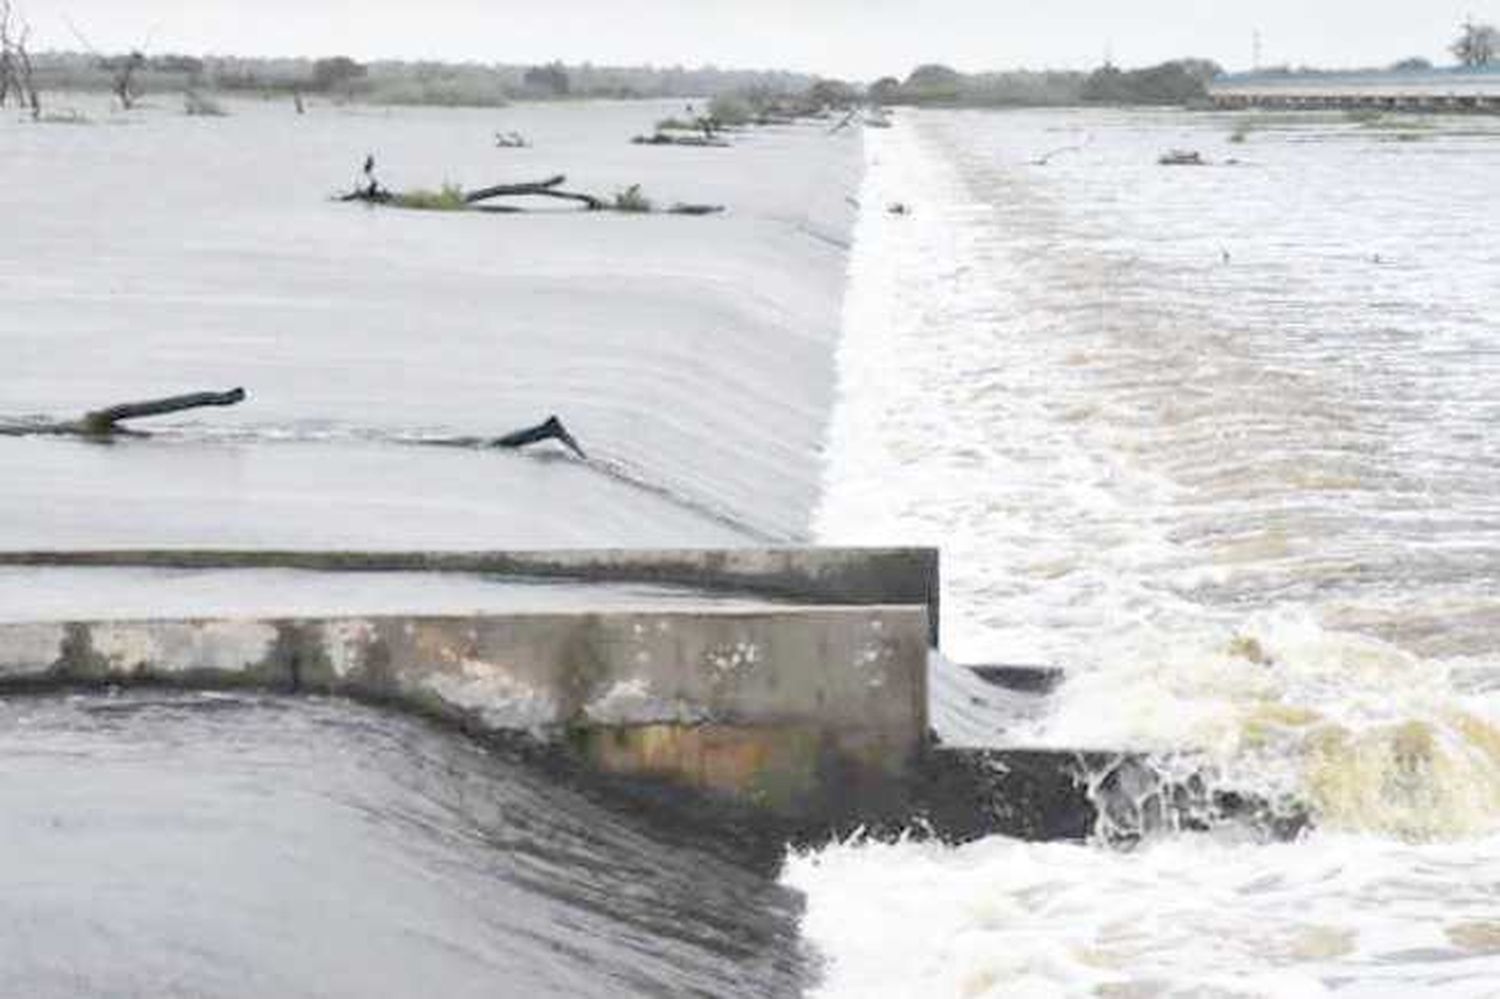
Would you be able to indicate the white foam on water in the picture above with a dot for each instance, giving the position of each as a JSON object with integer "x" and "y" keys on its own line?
{"x": 1219, "y": 456}
{"x": 1189, "y": 916}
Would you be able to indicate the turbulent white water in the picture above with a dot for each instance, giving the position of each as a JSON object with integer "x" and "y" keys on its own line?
{"x": 1215, "y": 440}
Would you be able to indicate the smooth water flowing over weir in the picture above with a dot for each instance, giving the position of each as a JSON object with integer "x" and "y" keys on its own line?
{"x": 260, "y": 845}
{"x": 252, "y": 846}
{"x": 1213, "y": 441}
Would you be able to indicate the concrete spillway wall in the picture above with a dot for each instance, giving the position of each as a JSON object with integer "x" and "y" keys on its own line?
{"x": 803, "y": 700}
{"x": 805, "y": 713}
{"x": 854, "y": 576}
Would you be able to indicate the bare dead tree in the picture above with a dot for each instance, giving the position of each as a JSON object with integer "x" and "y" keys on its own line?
{"x": 16, "y": 72}
{"x": 123, "y": 67}
{"x": 28, "y": 75}
{"x": 7, "y": 65}
{"x": 1477, "y": 44}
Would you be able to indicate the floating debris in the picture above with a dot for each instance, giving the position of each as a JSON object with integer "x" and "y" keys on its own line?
{"x": 1181, "y": 157}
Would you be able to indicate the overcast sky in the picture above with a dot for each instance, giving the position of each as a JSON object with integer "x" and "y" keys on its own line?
{"x": 859, "y": 39}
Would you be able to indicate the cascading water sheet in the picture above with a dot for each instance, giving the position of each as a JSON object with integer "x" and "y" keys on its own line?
{"x": 1212, "y": 440}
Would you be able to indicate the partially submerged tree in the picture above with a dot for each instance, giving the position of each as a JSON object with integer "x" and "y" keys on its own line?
{"x": 1477, "y": 44}
{"x": 124, "y": 69}
{"x": 730, "y": 111}
{"x": 16, "y": 72}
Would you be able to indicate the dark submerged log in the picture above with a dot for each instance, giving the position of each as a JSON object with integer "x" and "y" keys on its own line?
{"x": 507, "y": 190}
{"x": 662, "y": 139}
{"x": 108, "y": 417}
{"x": 106, "y": 422}
{"x": 549, "y": 429}
{"x": 682, "y": 208}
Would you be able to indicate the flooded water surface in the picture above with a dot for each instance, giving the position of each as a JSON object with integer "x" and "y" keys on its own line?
{"x": 1217, "y": 440}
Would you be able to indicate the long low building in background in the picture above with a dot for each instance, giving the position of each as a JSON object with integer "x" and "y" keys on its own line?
{"x": 1416, "y": 90}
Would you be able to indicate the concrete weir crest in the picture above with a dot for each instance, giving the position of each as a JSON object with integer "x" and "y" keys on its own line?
{"x": 805, "y": 697}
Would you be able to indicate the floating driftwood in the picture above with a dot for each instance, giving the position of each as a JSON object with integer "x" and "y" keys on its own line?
{"x": 453, "y": 198}
{"x": 550, "y": 429}
{"x": 1181, "y": 157}
{"x": 106, "y": 422}
{"x": 549, "y": 188}
{"x": 685, "y": 208}
{"x": 666, "y": 139}
{"x": 1046, "y": 157}
{"x": 845, "y": 121}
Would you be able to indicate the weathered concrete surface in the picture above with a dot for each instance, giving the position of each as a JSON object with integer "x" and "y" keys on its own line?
{"x": 123, "y": 593}
{"x": 800, "y": 711}
{"x": 857, "y": 576}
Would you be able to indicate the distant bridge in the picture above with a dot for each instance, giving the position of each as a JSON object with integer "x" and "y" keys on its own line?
{"x": 1418, "y": 90}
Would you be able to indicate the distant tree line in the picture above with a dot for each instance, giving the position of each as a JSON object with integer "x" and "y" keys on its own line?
{"x": 1178, "y": 82}
{"x": 401, "y": 82}
{"x": 755, "y": 93}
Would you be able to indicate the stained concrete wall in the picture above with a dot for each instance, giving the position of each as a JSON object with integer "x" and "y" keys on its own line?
{"x": 801, "y": 711}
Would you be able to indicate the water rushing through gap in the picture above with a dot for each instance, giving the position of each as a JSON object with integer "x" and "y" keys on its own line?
{"x": 1218, "y": 441}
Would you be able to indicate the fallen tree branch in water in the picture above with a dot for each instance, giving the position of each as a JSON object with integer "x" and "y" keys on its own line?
{"x": 106, "y": 422}
{"x": 549, "y": 429}
{"x": 549, "y": 188}
{"x": 665, "y": 139}
{"x": 454, "y": 199}
{"x": 1046, "y": 157}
